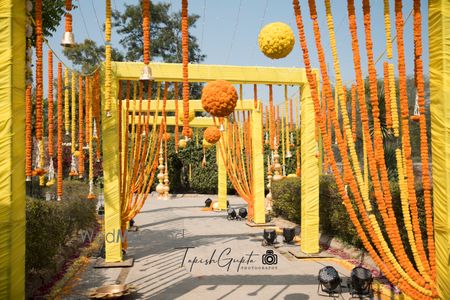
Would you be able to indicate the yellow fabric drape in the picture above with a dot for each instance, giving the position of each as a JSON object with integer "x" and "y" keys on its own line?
{"x": 439, "y": 35}
{"x": 12, "y": 143}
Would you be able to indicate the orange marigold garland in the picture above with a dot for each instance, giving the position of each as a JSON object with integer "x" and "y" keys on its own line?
{"x": 51, "y": 169}
{"x": 187, "y": 131}
{"x": 176, "y": 137}
{"x": 399, "y": 24}
{"x": 219, "y": 98}
{"x": 418, "y": 63}
{"x": 146, "y": 29}
{"x": 39, "y": 126}
{"x": 28, "y": 137}
{"x": 347, "y": 169}
{"x": 59, "y": 191}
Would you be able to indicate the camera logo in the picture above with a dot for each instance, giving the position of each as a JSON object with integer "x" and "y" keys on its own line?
{"x": 269, "y": 258}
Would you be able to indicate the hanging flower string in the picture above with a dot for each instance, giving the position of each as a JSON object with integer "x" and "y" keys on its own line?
{"x": 399, "y": 24}
{"x": 80, "y": 128}
{"x": 28, "y": 135}
{"x": 418, "y": 63}
{"x": 51, "y": 169}
{"x": 59, "y": 191}
{"x": 108, "y": 72}
{"x": 39, "y": 127}
{"x": 73, "y": 163}
{"x": 347, "y": 169}
{"x": 187, "y": 131}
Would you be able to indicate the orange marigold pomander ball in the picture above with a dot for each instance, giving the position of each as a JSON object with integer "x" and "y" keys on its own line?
{"x": 219, "y": 98}
{"x": 212, "y": 134}
{"x": 166, "y": 137}
{"x": 187, "y": 132}
{"x": 276, "y": 40}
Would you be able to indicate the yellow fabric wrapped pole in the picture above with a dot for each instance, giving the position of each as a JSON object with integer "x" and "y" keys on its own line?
{"x": 222, "y": 177}
{"x": 439, "y": 35}
{"x": 12, "y": 143}
{"x": 310, "y": 184}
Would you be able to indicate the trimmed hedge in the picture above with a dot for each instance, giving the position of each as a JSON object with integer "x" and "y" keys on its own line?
{"x": 50, "y": 225}
{"x": 334, "y": 219}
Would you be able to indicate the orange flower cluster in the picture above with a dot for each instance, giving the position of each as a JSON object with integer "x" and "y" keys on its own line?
{"x": 59, "y": 190}
{"x": 167, "y": 137}
{"x": 175, "y": 96}
{"x": 212, "y": 134}
{"x": 219, "y": 98}
{"x": 39, "y": 84}
{"x": 86, "y": 107}
{"x": 50, "y": 104}
{"x": 146, "y": 29}
{"x": 387, "y": 215}
{"x": 185, "y": 53}
{"x": 28, "y": 137}
{"x": 387, "y": 95}
{"x": 187, "y": 132}
{"x": 418, "y": 63}
{"x": 399, "y": 24}
{"x": 68, "y": 16}
{"x": 80, "y": 127}
{"x": 387, "y": 262}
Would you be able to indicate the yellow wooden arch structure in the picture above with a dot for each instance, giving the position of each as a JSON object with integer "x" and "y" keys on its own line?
{"x": 163, "y": 72}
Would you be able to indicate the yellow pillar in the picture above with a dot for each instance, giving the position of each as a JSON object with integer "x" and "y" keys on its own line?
{"x": 439, "y": 34}
{"x": 12, "y": 145}
{"x": 222, "y": 178}
{"x": 111, "y": 191}
{"x": 310, "y": 182}
{"x": 258, "y": 166}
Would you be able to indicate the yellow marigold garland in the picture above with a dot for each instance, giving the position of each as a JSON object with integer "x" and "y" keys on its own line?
{"x": 187, "y": 132}
{"x": 387, "y": 28}
{"x": 80, "y": 128}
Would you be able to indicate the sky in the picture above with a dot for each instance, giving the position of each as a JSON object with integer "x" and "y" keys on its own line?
{"x": 227, "y": 32}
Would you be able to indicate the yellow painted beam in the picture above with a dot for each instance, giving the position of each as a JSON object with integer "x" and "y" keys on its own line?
{"x": 12, "y": 145}
{"x": 197, "y": 122}
{"x": 195, "y": 105}
{"x": 258, "y": 166}
{"x": 205, "y": 73}
{"x": 439, "y": 35}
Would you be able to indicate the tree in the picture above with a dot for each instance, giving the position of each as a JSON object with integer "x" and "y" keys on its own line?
{"x": 165, "y": 33}
{"x": 52, "y": 13}
{"x": 88, "y": 55}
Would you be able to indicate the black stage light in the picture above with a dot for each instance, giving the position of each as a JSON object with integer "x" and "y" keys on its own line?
{"x": 231, "y": 214}
{"x": 329, "y": 282}
{"x": 270, "y": 235}
{"x": 242, "y": 212}
{"x": 208, "y": 202}
{"x": 132, "y": 223}
{"x": 360, "y": 283}
{"x": 101, "y": 210}
{"x": 288, "y": 234}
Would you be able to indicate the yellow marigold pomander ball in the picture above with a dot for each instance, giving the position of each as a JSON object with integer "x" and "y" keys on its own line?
{"x": 276, "y": 40}
{"x": 181, "y": 115}
{"x": 206, "y": 144}
{"x": 219, "y": 98}
{"x": 212, "y": 134}
{"x": 166, "y": 137}
{"x": 182, "y": 144}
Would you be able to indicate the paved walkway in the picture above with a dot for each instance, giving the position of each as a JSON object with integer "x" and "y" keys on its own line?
{"x": 182, "y": 252}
